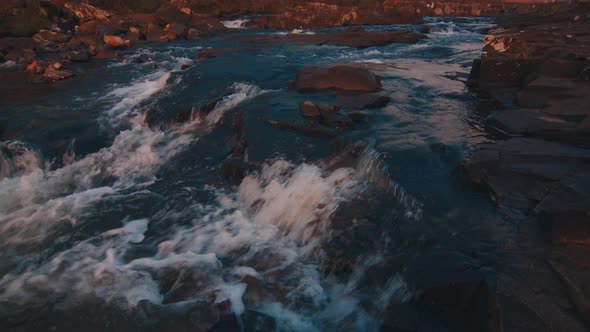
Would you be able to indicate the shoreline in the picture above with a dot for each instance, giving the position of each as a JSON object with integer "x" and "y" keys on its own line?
{"x": 536, "y": 67}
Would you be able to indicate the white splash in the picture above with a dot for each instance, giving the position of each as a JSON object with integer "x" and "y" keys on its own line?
{"x": 241, "y": 92}
{"x": 299, "y": 201}
{"x": 236, "y": 24}
{"x": 301, "y": 32}
{"x": 18, "y": 158}
{"x": 126, "y": 98}
{"x": 8, "y": 64}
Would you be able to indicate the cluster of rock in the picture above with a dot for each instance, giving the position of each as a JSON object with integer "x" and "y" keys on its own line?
{"x": 77, "y": 32}
{"x": 318, "y": 120}
{"x": 538, "y": 67}
{"x": 319, "y": 14}
{"x": 71, "y": 31}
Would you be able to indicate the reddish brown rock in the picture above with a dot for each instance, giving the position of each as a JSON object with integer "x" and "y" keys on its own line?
{"x": 340, "y": 77}
{"x": 56, "y": 74}
{"x": 116, "y": 42}
{"x": 86, "y": 12}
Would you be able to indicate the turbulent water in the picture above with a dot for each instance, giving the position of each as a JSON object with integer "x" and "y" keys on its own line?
{"x": 108, "y": 224}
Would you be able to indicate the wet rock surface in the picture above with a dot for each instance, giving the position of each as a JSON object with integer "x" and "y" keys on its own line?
{"x": 551, "y": 103}
{"x": 534, "y": 65}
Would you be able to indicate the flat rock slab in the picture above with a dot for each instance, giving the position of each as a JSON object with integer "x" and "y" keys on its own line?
{"x": 565, "y": 212}
{"x": 550, "y": 179}
{"x": 537, "y": 123}
{"x": 352, "y": 37}
{"x": 520, "y": 172}
{"x": 339, "y": 77}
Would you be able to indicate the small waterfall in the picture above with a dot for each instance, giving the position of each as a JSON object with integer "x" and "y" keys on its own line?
{"x": 372, "y": 166}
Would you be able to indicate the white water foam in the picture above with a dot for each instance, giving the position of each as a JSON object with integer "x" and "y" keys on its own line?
{"x": 241, "y": 92}
{"x": 8, "y": 64}
{"x": 126, "y": 98}
{"x": 295, "y": 32}
{"x": 18, "y": 158}
{"x": 267, "y": 228}
{"x": 236, "y": 24}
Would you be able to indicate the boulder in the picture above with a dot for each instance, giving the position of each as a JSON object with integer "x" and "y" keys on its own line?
{"x": 340, "y": 77}
{"x": 116, "y": 42}
{"x": 54, "y": 74}
{"x": 86, "y": 12}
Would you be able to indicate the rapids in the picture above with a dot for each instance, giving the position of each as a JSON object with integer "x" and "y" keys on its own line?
{"x": 107, "y": 224}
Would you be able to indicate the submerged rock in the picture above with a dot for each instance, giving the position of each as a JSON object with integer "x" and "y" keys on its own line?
{"x": 53, "y": 73}
{"x": 156, "y": 118}
{"x": 339, "y": 77}
{"x": 310, "y": 109}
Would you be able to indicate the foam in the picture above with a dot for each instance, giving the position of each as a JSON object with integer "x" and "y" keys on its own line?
{"x": 18, "y": 158}
{"x": 241, "y": 92}
{"x": 128, "y": 97}
{"x": 236, "y": 24}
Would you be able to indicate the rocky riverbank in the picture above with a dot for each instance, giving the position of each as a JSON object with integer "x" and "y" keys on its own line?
{"x": 47, "y": 37}
{"x": 537, "y": 67}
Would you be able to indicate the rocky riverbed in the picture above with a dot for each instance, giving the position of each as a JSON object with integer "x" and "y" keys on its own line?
{"x": 254, "y": 166}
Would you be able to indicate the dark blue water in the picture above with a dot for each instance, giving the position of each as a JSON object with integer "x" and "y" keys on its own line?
{"x": 106, "y": 224}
